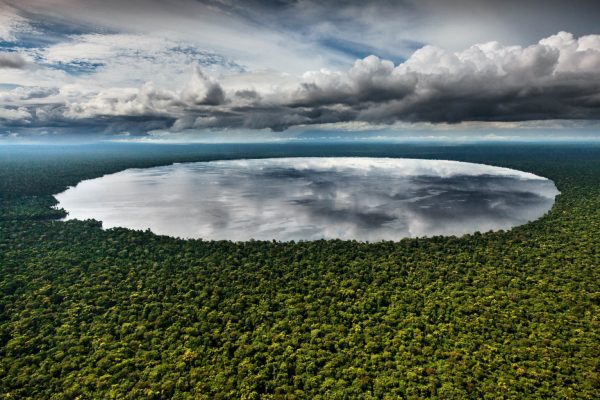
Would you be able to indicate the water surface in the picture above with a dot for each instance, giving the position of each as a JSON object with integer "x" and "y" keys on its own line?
{"x": 310, "y": 198}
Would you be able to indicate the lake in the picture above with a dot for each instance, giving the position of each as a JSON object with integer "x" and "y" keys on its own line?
{"x": 310, "y": 198}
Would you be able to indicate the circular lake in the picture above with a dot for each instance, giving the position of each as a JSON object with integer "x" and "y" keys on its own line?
{"x": 367, "y": 199}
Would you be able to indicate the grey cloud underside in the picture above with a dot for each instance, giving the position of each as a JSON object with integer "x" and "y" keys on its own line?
{"x": 12, "y": 60}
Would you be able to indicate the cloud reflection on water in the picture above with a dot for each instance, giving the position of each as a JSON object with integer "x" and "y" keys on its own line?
{"x": 312, "y": 198}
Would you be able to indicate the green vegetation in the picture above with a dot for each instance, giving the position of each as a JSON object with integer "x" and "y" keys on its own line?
{"x": 87, "y": 313}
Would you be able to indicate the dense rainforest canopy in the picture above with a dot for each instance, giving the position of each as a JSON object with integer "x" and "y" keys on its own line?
{"x": 90, "y": 313}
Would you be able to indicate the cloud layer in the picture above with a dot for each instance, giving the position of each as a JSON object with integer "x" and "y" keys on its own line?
{"x": 189, "y": 68}
{"x": 557, "y": 78}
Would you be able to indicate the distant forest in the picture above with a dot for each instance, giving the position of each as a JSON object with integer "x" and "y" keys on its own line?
{"x": 87, "y": 313}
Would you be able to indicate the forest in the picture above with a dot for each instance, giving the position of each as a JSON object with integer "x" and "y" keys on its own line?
{"x": 87, "y": 313}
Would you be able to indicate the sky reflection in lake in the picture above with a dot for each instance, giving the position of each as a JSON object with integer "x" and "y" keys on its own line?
{"x": 367, "y": 199}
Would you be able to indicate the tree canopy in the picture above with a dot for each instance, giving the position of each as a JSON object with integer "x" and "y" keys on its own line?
{"x": 91, "y": 313}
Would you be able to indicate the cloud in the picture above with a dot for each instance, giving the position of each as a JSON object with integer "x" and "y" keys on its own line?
{"x": 294, "y": 36}
{"x": 202, "y": 90}
{"x": 20, "y": 94}
{"x": 12, "y": 60}
{"x": 557, "y": 78}
{"x": 11, "y": 23}
{"x": 131, "y": 58}
{"x": 205, "y": 25}
{"x": 150, "y": 101}
{"x": 15, "y": 114}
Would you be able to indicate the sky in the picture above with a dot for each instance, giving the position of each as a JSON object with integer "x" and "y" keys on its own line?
{"x": 192, "y": 70}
